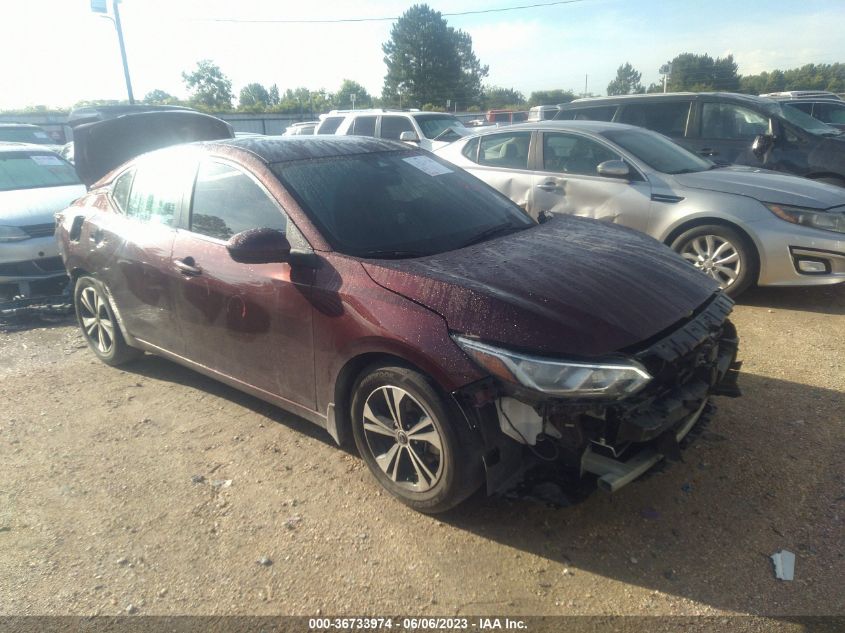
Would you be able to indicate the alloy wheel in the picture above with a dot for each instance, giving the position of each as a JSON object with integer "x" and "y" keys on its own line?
{"x": 403, "y": 438}
{"x": 96, "y": 320}
{"x": 714, "y": 256}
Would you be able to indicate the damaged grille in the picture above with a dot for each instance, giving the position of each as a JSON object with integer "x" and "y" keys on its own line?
{"x": 32, "y": 268}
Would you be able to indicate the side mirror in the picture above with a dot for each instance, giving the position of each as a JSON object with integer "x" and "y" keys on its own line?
{"x": 409, "y": 137}
{"x": 613, "y": 169}
{"x": 259, "y": 246}
{"x": 762, "y": 143}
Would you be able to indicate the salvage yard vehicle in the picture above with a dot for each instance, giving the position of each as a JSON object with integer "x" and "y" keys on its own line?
{"x": 728, "y": 128}
{"x": 740, "y": 225}
{"x": 35, "y": 183}
{"x": 426, "y": 130}
{"x": 381, "y": 293}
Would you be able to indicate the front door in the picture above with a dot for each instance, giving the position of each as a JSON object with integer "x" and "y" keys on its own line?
{"x": 726, "y": 133}
{"x": 250, "y": 322}
{"x": 568, "y": 182}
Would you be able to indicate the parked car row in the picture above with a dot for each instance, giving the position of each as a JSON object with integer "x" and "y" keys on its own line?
{"x": 428, "y": 130}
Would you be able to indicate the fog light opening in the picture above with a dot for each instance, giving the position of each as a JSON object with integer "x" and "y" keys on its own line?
{"x": 810, "y": 266}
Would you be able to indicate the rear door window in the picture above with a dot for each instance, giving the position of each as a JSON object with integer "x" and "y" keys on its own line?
{"x": 158, "y": 190}
{"x": 508, "y": 150}
{"x": 728, "y": 121}
{"x": 363, "y": 126}
{"x": 393, "y": 126}
{"x": 667, "y": 117}
{"x": 227, "y": 201}
{"x": 120, "y": 189}
{"x": 599, "y": 113}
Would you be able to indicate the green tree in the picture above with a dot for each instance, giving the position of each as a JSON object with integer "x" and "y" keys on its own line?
{"x": 496, "y": 97}
{"x": 342, "y": 99}
{"x": 209, "y": 87}
{"x": 429, "y": 62}
{"x": 157, "y": 97}
{"x": 273, "y": 96}
{"x": 254, "y": 96}
{"x": 808, "y": 77}
{"x": 627, "y": 81}
{"x": 701, "y": 72}
{"x": 550, "y": 97}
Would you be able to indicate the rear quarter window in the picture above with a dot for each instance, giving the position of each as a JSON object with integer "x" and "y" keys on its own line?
{"x": 667, "y": 117}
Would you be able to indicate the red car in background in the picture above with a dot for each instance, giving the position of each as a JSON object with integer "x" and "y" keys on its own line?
{"x": 392, "y": 298}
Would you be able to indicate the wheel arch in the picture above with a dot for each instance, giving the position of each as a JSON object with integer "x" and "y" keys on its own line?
{"x": 712, "y": 220}
{"x": 340, "y": 421}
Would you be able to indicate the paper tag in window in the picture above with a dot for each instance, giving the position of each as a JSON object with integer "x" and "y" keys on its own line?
{"x": 47, "y": 160}
{"x": 425, "y": 164}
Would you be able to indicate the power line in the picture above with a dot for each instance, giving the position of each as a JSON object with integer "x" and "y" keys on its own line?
{"x": 521, "y": 7}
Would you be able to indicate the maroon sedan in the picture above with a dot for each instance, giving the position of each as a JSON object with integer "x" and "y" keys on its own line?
{"x": 389, "y": 297}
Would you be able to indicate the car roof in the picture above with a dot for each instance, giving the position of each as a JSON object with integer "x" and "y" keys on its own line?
{"x": 27, "y": 125}
{"x": 595, "y": 127}
{"x": 668, "y": 96}
{"x": 281, "y": 149}
{"x": 12, "y": 146}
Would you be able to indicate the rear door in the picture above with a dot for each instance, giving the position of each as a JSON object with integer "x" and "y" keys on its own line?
{"x": 502, "y": 161}
{"x": 251, "y": 322}
{"x": 150, "y": 197}
{"x": 567, "y": 181}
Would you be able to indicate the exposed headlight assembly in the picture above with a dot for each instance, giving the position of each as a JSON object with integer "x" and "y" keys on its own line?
{"x": 558, "y": 377}
{"x": 825, "y": 220}
{"x": 12, "y": 234}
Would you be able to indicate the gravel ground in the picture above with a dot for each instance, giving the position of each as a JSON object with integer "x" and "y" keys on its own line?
{"x": 154, "y": 490}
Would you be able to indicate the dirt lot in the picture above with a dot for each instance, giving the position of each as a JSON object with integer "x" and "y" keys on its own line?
{"x": 158, "y": 488}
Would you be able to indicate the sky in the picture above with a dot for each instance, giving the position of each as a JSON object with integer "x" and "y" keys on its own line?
{"x": 57, "y": 52}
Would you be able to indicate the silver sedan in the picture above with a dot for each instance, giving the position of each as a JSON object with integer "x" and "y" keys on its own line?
{"x": 741, "y": 225}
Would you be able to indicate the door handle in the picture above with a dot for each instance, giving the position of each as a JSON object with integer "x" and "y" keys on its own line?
{"x": 549, "y": 185}
{"x": 187, "y": 267}
{"x": 708, "y": 151}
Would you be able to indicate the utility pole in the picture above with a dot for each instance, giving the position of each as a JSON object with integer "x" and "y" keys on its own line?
{"x": 353, "y": 96}
{"x": 586, "y": 92}
{"x": 99, "y": 6}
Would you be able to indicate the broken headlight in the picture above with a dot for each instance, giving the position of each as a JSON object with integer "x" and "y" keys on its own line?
{"x": 558, "y": 377}
{"x": 808, "y": 217}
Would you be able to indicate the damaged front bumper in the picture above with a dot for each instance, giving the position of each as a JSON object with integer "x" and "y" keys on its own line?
{"x": 610, "y": 442}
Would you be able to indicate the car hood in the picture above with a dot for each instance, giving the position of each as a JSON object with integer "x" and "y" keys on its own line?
{"x": 100, "y": 147}
{"x": 766, "y": 186}
{"x": 25, "y": 207}
{"x": 571, "y": 286}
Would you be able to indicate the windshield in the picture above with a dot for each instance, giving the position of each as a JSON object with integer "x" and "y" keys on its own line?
{"x": 25, "y": 135}
{"x": 657, "y": 151}
{"x": 27, "y": 170}
{"x": 434, "y": 125}
{"x": 398, "y": 204}
{"x": 806, "y": 122}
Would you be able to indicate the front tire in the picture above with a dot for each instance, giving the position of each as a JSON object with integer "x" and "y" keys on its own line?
{"x": 99, "y": 325}
{"x": 722, "y": 253}
{"x": 413, "y": 439}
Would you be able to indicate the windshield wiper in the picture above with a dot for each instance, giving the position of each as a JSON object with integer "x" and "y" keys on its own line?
{"x": 502, "y": 229}
{"x": 686, "y": 170}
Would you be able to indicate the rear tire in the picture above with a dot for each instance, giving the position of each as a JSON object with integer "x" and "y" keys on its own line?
{"x": 722, "y": 253}
{"x": 98, "y": 323}
{"x": 414, "y": 440}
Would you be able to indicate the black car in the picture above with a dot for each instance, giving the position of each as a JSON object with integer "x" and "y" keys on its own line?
{"x": 830, "y": 111}
{"x": 729, "y": 128}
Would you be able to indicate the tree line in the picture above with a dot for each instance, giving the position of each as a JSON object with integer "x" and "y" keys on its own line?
{"x": 700, "y": 73}
{"x": 432, "y": 66}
